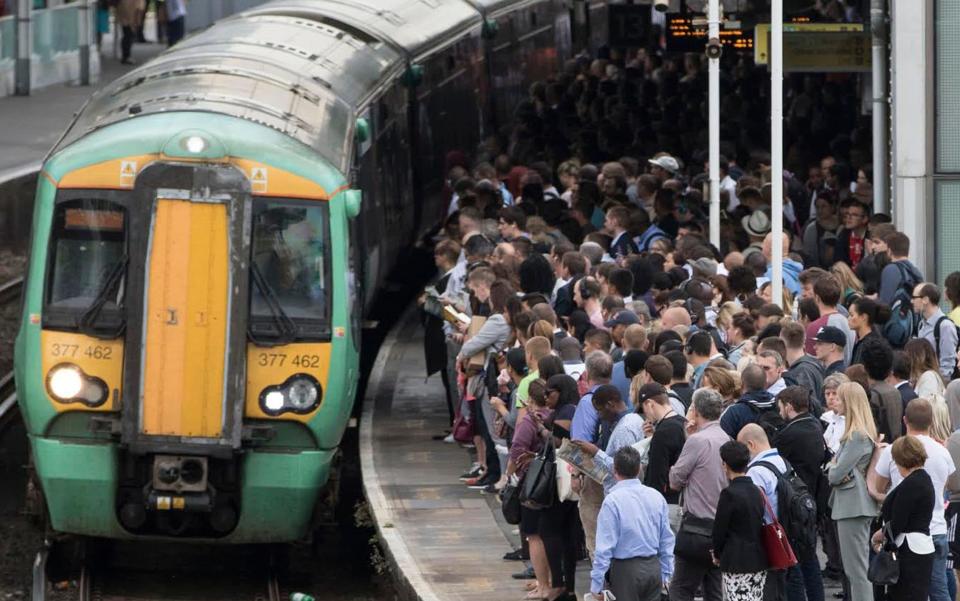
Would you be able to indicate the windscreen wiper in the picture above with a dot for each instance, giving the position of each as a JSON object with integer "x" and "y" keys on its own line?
{"x": 87, "y": 322}
{"x": 286, "y": 328}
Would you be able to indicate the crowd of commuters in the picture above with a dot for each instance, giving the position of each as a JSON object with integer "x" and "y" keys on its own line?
{"x": 580, "y": 303}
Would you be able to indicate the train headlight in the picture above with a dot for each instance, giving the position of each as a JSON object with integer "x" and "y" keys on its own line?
{"x": 68, "y": 384}
{"x": 300, "y": 393}
{"x": 194, "y": 144}
{"x": 273, "y": 400}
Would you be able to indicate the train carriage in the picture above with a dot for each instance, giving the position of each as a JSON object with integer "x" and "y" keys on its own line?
{"x": 201, "y": 260}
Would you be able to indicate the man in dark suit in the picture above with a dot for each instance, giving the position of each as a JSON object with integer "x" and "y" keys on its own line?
{"x": 616, "y": 223}
{"x": 573, "y": 266}
{"x": 899, "y": 378}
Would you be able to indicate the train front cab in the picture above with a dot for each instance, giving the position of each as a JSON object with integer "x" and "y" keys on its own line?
{"x": 189, "y": 360}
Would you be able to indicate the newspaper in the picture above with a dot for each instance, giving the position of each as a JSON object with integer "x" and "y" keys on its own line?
{"x": 572, "y": 454}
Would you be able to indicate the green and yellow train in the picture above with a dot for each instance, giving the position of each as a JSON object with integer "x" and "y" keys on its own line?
{"x": 201, "y": 260}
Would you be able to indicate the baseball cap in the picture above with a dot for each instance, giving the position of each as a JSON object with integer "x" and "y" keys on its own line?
{"x": 624, "y": 317}
{"x": 832, "y": 335}
{"x": 666, "y": 162}
{"x": 650, "y": 390}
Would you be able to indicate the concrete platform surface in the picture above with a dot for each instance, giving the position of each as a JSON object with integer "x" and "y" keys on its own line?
{"x": 445, "y": 540}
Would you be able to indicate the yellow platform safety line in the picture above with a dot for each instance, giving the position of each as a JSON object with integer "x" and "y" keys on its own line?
{"x": 186, "y": 320}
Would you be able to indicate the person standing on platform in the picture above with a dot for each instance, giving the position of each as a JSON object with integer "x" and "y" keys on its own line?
{"x": 737, "y": 530}
{"x": 634, "y": 540}
{"x": 128, "y": 16}
{"x": 908, "y": 511}
{"x": 852, "y": 507}
{"x": 699, "y": 474}
{"x": 176, "y": 20}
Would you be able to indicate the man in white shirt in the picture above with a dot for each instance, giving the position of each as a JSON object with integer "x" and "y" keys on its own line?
{"x": 918, "y": 418}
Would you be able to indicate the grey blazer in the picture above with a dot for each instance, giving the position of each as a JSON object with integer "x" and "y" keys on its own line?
{"x": 492, "y": 337}
{"x": 849, "y": 497}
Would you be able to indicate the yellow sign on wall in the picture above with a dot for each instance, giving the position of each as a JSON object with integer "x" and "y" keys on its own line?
{"x": 761, "y": 35}
{"x": 821, "y": 51}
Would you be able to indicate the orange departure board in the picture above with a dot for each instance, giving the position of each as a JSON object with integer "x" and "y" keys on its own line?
{"x": 683, "y": 36}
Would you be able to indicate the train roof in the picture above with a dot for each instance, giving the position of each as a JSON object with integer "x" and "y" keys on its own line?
{"x": 410, "y": 26}
{"x": 301, "y": 67}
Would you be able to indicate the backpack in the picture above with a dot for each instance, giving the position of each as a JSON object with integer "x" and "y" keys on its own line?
{"x": 899, "y": 328}
{"x": 769, "y": 419}
{"x": 936, "y": 337}
{"x": 797, "y": 508}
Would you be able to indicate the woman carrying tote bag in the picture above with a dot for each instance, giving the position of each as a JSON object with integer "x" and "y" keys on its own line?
{"x": 852, "y": 507}
{"x": 738, "y": 529}
{"x": 907, "y": 511}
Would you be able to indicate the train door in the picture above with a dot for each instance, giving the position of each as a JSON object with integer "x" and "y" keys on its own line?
{"x": 186, "y": 319}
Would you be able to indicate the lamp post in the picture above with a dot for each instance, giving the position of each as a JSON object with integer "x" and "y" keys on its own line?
{"x": 713, "y": 54}
{"x": 776, "y": 148}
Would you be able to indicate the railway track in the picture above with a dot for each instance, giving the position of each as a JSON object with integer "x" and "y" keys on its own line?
{"x": 9, "y": 293}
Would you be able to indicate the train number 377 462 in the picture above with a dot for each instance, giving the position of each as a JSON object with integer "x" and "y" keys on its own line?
{"x": 281, "y": 359}
{"x": 74, "y": 351}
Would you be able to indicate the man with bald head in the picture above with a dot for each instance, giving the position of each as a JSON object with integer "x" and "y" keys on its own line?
{"x": 675, "y": 316}
{"x": 733, "y": 259}
{"x": 763, "y": 461}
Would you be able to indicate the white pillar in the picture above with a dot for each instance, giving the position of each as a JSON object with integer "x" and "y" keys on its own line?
{"x": 881, "y": 155}
{"x": 776, "y": 147}
{"x": 912, "y": 115}
{"x": 86, "y": 37}
{"x": 713, "y": 18}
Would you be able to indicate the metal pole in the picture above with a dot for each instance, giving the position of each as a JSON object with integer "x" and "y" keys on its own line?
{"x": 24, "y": 47}
{"x": 84, "y": 39}
{"x": 881, "y": 158}
{"x": 776, "y": 146}
{"x": 713, "y": 18}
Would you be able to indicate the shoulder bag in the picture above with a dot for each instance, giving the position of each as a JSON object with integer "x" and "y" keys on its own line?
{"x": 780, "y": 554}
{"x": 884, "y": 568}
{"x": 510, "y": 503}
{"x": 539, "y": 489}
{"x": 694, "y": 540}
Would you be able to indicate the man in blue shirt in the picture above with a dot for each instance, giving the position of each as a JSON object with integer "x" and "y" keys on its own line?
{"x": 586, "y": 426}
{"x": 755, "y": 439}
{"x": 634, "y": 540}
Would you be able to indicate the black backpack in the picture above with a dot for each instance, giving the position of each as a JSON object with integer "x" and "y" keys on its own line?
{"x": 797, "y": 508}
{"x": 769, "y": 419}
{"x": 900, "y": 327}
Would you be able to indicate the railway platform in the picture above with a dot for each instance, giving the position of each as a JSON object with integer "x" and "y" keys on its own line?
{"x": 444, "y": 540}
{"x": 31, "y": 125}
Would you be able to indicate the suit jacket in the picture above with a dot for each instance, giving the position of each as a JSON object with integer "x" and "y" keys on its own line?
{"x": 737, "y": 538}
{"x": 847, "y": 476}
{"x": 801, "y": 443}
{"x": 563, "y": 306}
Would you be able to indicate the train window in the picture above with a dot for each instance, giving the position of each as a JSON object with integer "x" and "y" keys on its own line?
{"x": 289, "y": 283}
{"x": 88, "y": 259}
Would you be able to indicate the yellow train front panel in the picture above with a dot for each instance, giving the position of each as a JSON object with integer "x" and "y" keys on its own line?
{"x": 186, "y": 333}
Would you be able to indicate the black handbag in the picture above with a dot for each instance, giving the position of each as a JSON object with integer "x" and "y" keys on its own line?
{"x": 510, "y": 504}
{"x": 884, "y": 568}
{"x": 694, "y": 540}
{"x": 539, "y": 487}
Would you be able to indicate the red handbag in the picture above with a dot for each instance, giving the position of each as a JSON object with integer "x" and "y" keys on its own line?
{"x": 780, "y": 554}
{"x": 464, "y": 428}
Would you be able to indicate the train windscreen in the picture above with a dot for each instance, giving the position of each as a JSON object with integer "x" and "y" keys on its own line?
{"x": 289, "y": 284}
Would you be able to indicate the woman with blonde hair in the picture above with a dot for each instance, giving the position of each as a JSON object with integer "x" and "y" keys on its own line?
{"x": 723, "y": 381}
{"x": 924, "y": 368}
{"x": 850, "y": 285}
{"x": 766, "y": 293}
{"x": 852, "y": 507}
{"x": 940, "y": 429}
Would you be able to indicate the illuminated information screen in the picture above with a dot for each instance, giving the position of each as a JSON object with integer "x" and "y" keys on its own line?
{"x": 683, "y": 36}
